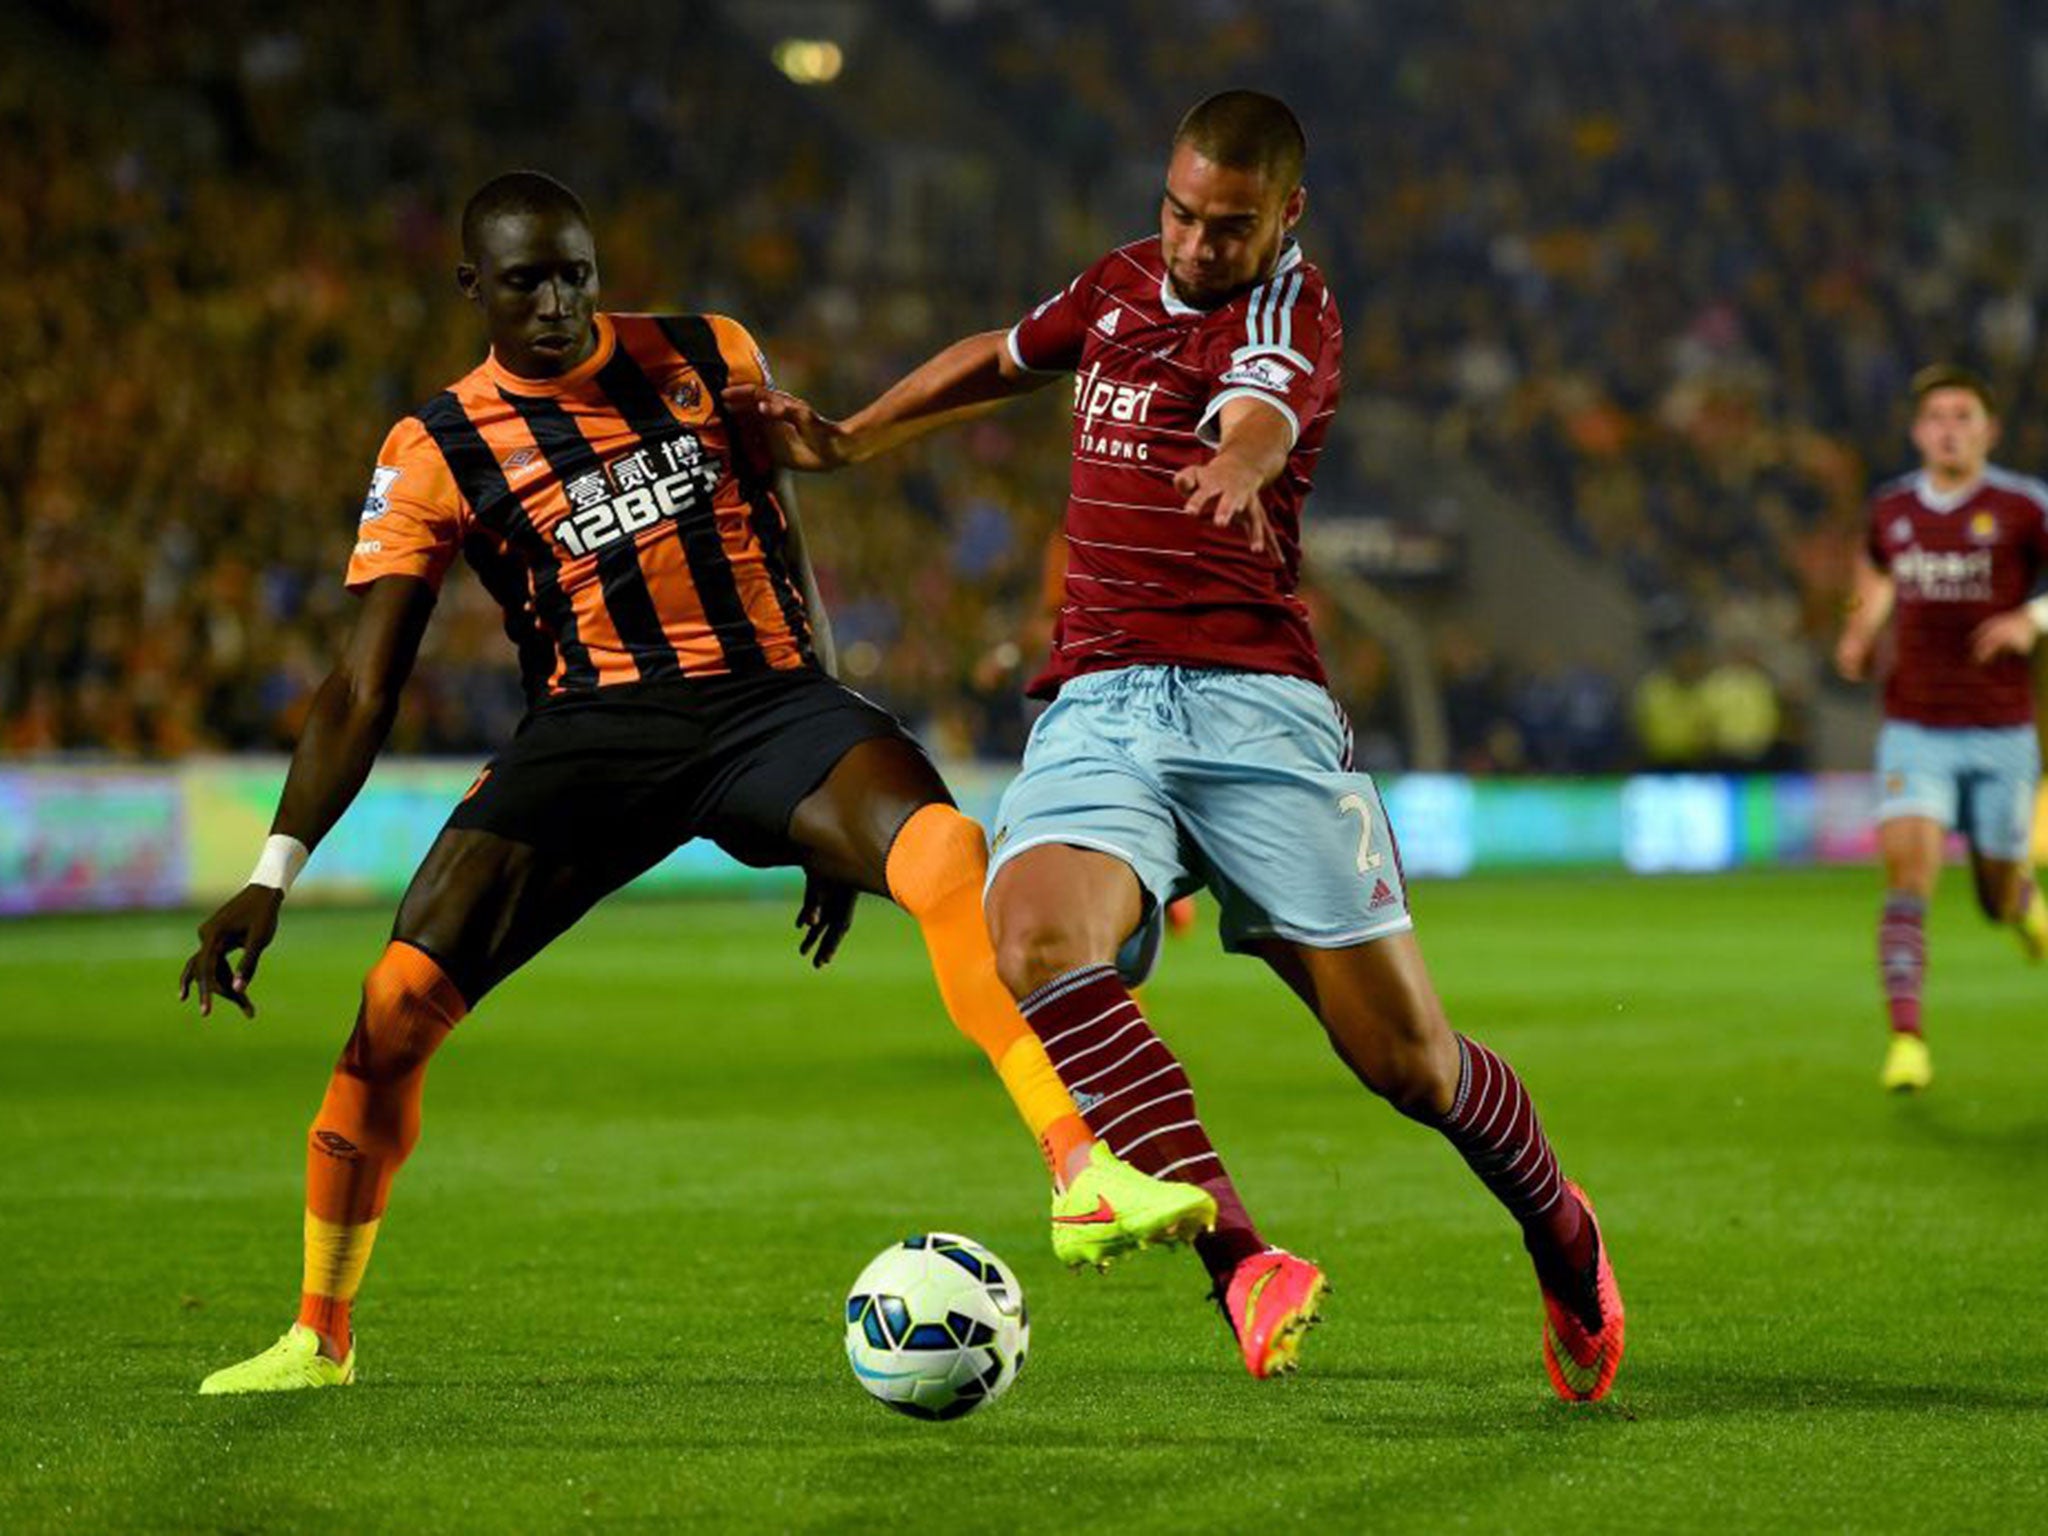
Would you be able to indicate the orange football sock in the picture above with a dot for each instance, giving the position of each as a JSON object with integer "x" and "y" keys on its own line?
{"x": 368, "y": 1125}
{"x": 936, "y": 868}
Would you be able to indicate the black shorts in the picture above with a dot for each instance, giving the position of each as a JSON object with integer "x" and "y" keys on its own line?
{"x": 620, "y": 777}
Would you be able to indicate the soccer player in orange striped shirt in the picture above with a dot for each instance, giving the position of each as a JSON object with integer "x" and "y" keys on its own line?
{"x": 684, "y": 698}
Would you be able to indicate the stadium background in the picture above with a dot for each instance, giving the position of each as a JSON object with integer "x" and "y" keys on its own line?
{"x": 1633, "y": 288}
{"x": 1632, "y": 293}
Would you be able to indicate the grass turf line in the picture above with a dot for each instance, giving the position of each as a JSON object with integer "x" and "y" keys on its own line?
{"x": 608, "y": 1288}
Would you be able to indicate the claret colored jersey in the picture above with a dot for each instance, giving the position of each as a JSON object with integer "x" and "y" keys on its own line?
{"x": 1146, "y": 583}
{"x": 652, "y": 541}
{"x": 1956, "y": 561}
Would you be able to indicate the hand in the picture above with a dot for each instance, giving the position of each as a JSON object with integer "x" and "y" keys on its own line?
{"x": 247, "y": 922}
{"x": 2011, "y": 632}
{"x": 1224, "y": 490}
{"x": 1852, "y": 655}
{"x": 796, "y": 435}
{"x": 825, "y": 916}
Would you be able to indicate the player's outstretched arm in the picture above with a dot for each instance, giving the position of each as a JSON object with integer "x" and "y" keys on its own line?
{"x": 350, "y": 716}
{"x": 2012, "y": 632}
{"x": 970, "y": 378}
{"x": 1869, "y": 605}
{"x": 1252, "y": 450}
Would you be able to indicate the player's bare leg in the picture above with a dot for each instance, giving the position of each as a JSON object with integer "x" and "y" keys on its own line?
{"x": 2007, "y": 894}
{"x": 1911, "y": 847}
{"x": 883, "y": 822}
{"x": 1383, "y": 1017}
{"x": 1059, "y": 915}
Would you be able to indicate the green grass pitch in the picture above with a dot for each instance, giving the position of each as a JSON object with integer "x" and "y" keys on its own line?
{"x": 608, "y": 1291}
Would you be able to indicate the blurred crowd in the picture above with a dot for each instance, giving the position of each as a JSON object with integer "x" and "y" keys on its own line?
{"x": 1660, "y": 270}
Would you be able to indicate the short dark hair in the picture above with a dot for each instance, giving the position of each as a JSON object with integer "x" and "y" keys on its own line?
{"x": 515, "y": 192}
{"x": 1248, "y": 131}
{"x": 1953, "y": 376}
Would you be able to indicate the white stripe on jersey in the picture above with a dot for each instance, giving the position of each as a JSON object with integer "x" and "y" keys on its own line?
{"x": 1134, "y": 506}
{"x": 1075, "y": 578}
{"x": 1150, "y": 469}
{"x": 1269, "y": 316}
{"x": 1132, "y": 549}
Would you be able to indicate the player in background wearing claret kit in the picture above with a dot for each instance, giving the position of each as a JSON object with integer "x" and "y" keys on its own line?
{"x": 1954, "y": 550}
{"x": 1191, "y": 741}
{"x": 592, "y": 455}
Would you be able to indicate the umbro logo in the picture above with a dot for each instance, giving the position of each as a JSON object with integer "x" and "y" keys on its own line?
{"x": 1086, "y": 1101}
{"x": 1108, "y": 323}
{"x": 518, "y": 459}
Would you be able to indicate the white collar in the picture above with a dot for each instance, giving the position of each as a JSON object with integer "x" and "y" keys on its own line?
{"x": 1936, "y": 501}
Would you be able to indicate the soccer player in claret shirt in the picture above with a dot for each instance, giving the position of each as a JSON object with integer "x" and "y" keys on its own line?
{"x": 1953, "y": 549}
{"x": 594, "y": 452}
{"x": 1191, "y": 741}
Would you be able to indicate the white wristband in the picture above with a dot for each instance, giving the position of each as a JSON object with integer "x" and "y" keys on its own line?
{"x": 283, "y": 857}
{"x": 2037, "y": 610}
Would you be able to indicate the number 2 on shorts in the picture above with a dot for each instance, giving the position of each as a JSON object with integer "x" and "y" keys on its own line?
{"x": 1368, "y": 861}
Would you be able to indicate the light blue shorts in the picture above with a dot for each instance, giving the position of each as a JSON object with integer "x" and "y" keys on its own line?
{"x": 1979, "y": 781}
{"x": 1238, "y": 781}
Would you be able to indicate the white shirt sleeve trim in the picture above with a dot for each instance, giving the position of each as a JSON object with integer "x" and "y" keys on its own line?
{"x": 1010, "y": 341}
{"x": 1017, "y": 354}
{"x": 1209, "y": 430}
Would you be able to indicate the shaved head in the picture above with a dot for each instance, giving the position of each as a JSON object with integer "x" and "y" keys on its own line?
{"x": 1247, "y": 131}
{"x": 514, "y": 194}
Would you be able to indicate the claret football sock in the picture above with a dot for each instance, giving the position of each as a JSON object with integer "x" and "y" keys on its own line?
{"x": 1493, "y": 1125}
{"x": 936, "y": 869}
{"x": 1902, "y": 958}
{"x": 1135, "y": 1096}
{"x": 367, "y": 1126}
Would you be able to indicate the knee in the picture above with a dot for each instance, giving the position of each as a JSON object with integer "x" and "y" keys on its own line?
{"x": 937, "y": 854}
{"x": 1423, "y": 1085}
{"x": 409, "y": 1006}
{"x": 1034, "y": 947}
{"x": 1998, "y": 894}
{"x": 1413, "y": 1068}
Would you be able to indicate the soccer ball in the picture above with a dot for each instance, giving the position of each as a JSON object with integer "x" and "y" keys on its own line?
{"x": 936, "y": 1326}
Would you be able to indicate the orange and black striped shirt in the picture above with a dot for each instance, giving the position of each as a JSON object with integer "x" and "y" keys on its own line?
{"x": 653, "y": 543}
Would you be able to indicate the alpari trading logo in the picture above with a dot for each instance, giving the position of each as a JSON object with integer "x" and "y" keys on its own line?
{"x": 1945, "y": 576}
{"x": 1100, "y": 402}
{"x": 617, "y": 500}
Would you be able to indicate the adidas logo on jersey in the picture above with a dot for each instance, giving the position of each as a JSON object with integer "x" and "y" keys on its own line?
{"x": 1382, "y": 896}
{"x": 1108, "y": 323}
